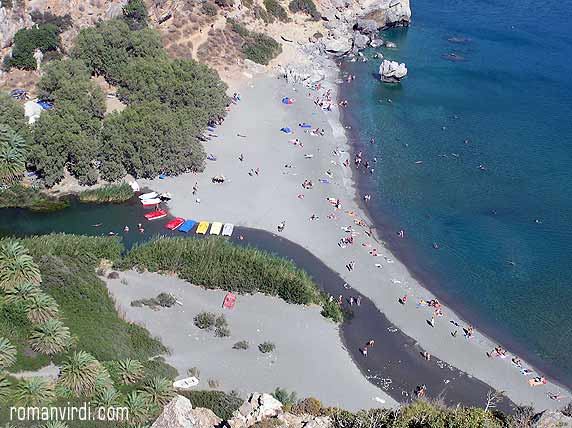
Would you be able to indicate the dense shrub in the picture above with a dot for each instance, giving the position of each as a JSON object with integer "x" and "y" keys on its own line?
{"x": 305, "y": 6}
{"x": 110, "y": 193}
{"x": 12, "y": 115}
{"x": 275, "y": 9}
{"x": 209, "y": 8}
{"x": 220, "y": 403}
{"x": 217, "y": 263}
{"x": 63, "y": 22}
{"x": 261, "y": 13}
{"x": 205, "y": 320}
{"x": 243, "y": 344}
{"x": 308, "y": 406}
{"x": 266, "y": 347}
{"x": 257, "y": 47}
{"x": 44, "y": 37}
{"x": 163, "y": 300}
{"x": 135, "y": 14}
{"x": 285, "y": 397}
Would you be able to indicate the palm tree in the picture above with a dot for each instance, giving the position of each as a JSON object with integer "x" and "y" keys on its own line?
{"x": 107, "y": 397}
{"x": 55, "y": 424}
{"x": 13, "y": 151}
{"x": 34, "y": 391}
{"x": 50, "y": 337}
{"x": 138, "y": 407}
{"x": 7, "y": 353}
{"x": 21, "y": 292}
{"x": 80, "y": 372}
{"x": 129, "y": 371}
{"x": 17, "y": 266}
{"x": 4, "y": 386}
{"x": 41, "y": 308}
{"x": 158, "y": 390}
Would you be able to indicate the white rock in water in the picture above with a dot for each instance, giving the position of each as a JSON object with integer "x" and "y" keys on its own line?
{"x": 392, "y": 71}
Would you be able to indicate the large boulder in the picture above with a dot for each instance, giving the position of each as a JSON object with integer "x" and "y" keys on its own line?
{"x": 366, "y": 26}
{"x": 553, "y": 419}
{"x": 389, "y": 13}
{"x": 337, "y": 44}
{"x": 205, "y": 418}
{"x": 360, "y": 40}
{"x": 307, "y": 74}
{"x": 392, "y": 71}
{"x": 177, "y": 414}
{"x": 11, "y": 21}
{"x": 256, "y": 408}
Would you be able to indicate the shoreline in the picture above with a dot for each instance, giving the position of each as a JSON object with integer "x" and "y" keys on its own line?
{"x": 263, "y": 202}
{"x": 424, "y": 277}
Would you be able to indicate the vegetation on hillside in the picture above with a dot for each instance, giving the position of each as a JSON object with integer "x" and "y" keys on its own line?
{"x": 20, "y": 196}
{"x": 257, "y": 47}
{"x": 218, "y": 264}
{"x": 13, "y": 152}
{"x": 54, "y": 307}
{"x": 305, "y": 6}
{"x": 44, "y": 37}
{"x": 275, "y": 9}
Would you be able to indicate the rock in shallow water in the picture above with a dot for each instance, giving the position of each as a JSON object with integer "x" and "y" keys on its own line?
{"x": 392, "y": 71}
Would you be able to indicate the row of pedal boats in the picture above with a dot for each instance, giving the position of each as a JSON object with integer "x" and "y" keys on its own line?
{"x": 183, "y": 225}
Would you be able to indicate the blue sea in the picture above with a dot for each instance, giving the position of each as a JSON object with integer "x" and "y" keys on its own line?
{"x": 489, "y": 84}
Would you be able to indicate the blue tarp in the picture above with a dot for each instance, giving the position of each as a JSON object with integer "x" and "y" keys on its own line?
{"x": 187, "y": 226}
{"x": 287, "y": 100}
{"x": 45, "y": 105}
{"x": 286, "y": 130}
{"x": 304, "y": 125}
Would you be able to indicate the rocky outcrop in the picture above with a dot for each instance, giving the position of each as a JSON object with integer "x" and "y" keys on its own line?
{"x": 11, "y": 20}
{"x": 176, "y": 414}
{"x": 392, "y": 71}
{"x": 205, "y": 418}
{"x": 389, "y": 13}
{"x": 306, "y": 74}
{"x": 553, "y": 419}
{"x": 257, "y": 407}
{"x": 338, "y": 43}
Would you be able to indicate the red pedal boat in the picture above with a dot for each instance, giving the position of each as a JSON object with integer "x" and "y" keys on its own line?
{"x": 175, "y": 223}
{"x": 156, "y": 215}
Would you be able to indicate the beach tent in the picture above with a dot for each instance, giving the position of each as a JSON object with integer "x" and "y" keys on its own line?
{"x": 187, "y": 226}
{"x": 227, "y": 229}
{"x": 304, "y": 125}
{"x": 202, "y": 227}
{"x": 216, "y": 228}
{"x": 45, "y": 105}
{"x": 229, "y": 301}
{"x": 286, "y": 130}
{"x": 287, "y": 100}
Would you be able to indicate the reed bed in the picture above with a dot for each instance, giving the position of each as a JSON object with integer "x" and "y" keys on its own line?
{"x": 110, "y": 193}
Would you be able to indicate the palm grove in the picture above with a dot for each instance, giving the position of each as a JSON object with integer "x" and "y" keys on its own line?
{"x": 169, "y": 103}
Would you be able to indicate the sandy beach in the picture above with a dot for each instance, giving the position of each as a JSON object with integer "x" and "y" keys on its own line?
{"x": 251, "y": 131}
{"x": 301, "y": 335}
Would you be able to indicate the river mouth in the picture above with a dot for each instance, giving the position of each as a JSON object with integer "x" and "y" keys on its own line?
{"x": 396, "y": 365}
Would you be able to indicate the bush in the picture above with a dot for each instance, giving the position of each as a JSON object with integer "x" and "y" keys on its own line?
{"x": 163, "y": 300}
{"x": 308, "y": 406}
{"x": 261, "y": 13}
{"x": 266, "y": 347}
{"x": 305, "y": 6}
{"x": 257, "y": 47}
{"x": 243, "y": 344}
{"x": 30, "y": 198}
{"x": 223, "y": 331}
{"x": 205, "y": 320}
{"x": 135, "y": 14}
{"x": 285, "y": 397}
{"x": 223, "y": 405}
{"x": 332, "y": 311}
{"x": 209, "y": 9}
{"x": 268, "y": 423}
{"x": 44, "y": 37}
{"x": 276, "y": 10}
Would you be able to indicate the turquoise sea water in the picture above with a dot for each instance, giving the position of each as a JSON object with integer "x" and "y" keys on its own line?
{"x": 508, "y": 92}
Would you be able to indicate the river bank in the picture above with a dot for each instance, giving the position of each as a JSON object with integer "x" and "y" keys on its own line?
{"x": 252, "y": 133}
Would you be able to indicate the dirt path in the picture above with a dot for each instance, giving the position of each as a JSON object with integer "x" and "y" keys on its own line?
{"x": 201, "y": 37}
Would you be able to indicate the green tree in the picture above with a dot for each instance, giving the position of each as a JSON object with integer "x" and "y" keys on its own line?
{"x": 79, "y": 373}
{"x": 158, "y": 390}
{"x": 44, "y": 37}
{"x": 21, "y": 293}
{"x": 129, "y": 371}
{"x": 107, "y": 47}
{"x": 13, "y": 152}
{"x": 34, "y": 391}
{"x": 12, "y": 115}
{"x": 135, "y": 13}
{"x": 146, "y": 140}
{"x": 107, "y": 397}
{"x": 138, "y": 406}
{"x": 16, "y": 265}
{"x": 50, "y": 337}
{"x": 5, "y": 386}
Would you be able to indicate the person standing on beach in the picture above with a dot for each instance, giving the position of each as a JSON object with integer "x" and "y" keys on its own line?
{"x": 195, "y": 188}
{"x": 432, "y": 322}
{"x": 358, "y": 300}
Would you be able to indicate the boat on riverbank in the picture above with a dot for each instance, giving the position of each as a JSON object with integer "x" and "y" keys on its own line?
{"x": 156, "y": 215}
{"x": 175, "y": 223}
